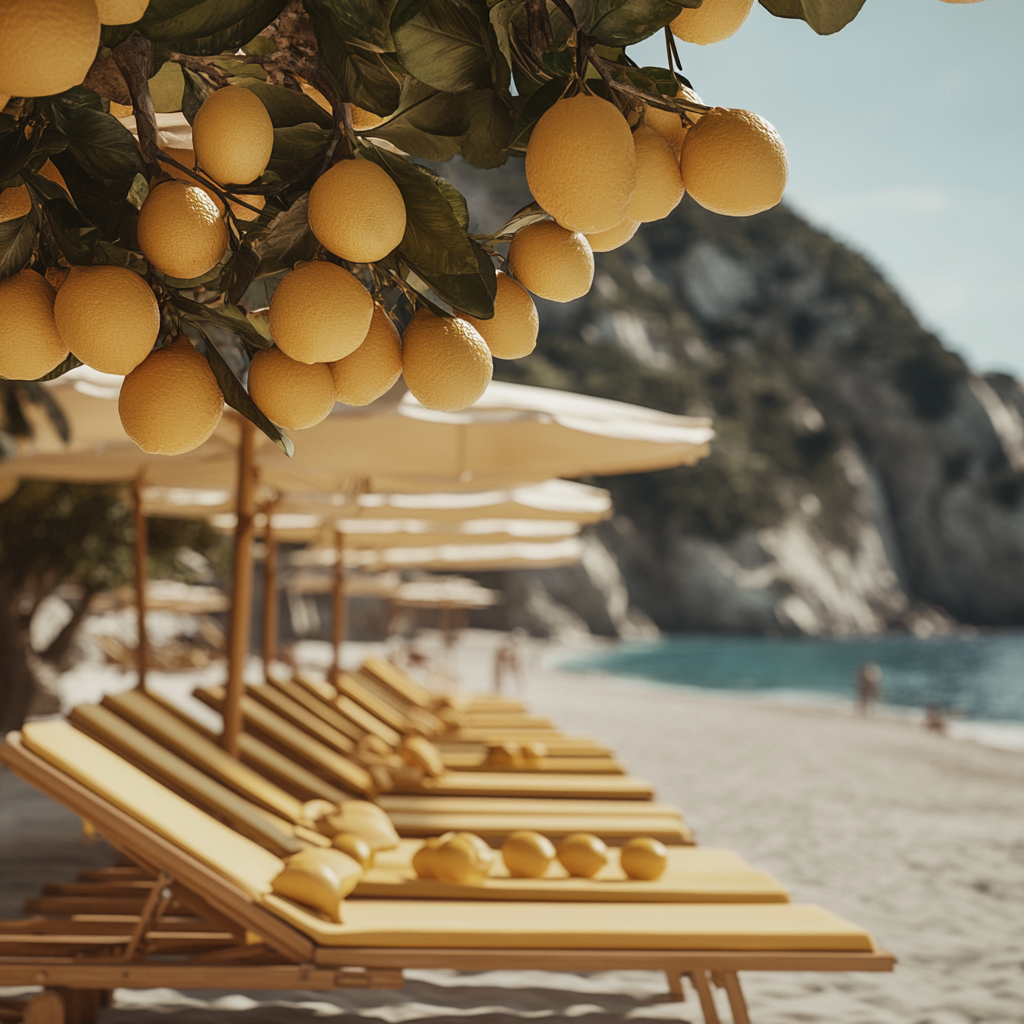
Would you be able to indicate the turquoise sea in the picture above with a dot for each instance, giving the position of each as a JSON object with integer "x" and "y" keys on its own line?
{"x": 978, "y": 678}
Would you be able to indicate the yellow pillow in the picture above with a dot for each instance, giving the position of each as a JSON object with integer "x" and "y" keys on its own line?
{"x": 363, "y": 819}
{"x": 319, "y": 879}
{"x": 419, "y": 752}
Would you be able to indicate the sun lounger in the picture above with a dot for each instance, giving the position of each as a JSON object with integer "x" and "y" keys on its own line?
{"x": 227, "y": 878}
{"x": 614, "y": 820}
{"x": 263, "y": 716}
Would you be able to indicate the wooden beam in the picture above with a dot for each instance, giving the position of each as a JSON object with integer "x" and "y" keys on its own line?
{"x": 241, "y": 588}
{"x": 270, "y": 625}
{"x": 338, "y": 609}
{"x": 141, "y": 577}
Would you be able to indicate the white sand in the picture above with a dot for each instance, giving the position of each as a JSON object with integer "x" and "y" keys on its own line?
{"x": 919, "y": 838}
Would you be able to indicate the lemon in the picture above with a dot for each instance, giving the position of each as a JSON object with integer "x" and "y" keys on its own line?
{"x": 171, "y": 402}
{"x": 644, "y": 859}
{"x": 293, "y": 394}
{"x": 446, "y": 364}
{"x": 121, "y": 12}
{"x": 605, "y": 241}
{"x": 734, "y": 163}
{"x": 659, "y": 183}
{"x": 671, "y": 126}
{"x": 370, "y": 371}
{"x": 712, "y": 22}
{"x": 29, "y": 343}
{"x": 580, "y": 163}
{"x": 319, "y": 313}
{"x": 512, "y": 332}
{"x": 107, "y": 317}
{"x": 16, "y": 202}
{"x": 582, "y": 854}
{"x": 233, "y": 136}
{"x": 180, "y": 231}
{"x": 551, "y": 261}
{"x": 46, "y": 46}
{"x": 242, "y": 213}
{"x": 527, "y": 854}
{"x": 357, "y": 211}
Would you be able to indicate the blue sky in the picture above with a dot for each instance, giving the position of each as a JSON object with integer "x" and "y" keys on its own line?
{"x": 905, "y": 135}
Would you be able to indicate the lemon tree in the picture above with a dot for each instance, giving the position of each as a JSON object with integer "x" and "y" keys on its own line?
{"x": 244, "y": 182}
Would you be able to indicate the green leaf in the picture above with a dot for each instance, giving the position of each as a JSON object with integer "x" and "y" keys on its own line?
{"x": 302, "y": 142}
{"x": 71, "y": 363}
{"x": 434, "y": 237}
{"x": 17, "y": 151}
{"x": 824, "y": 16}
{"x": 436, "y": 126}
{"x": 448, "y": 44}
{"x": 357, "y": 74}
{"x": 288, "y": 240}
{"x": 665, "y": 81}
{"x": 237, "y": 397}
{"x": 286, "y": 107}
{"x": 203, "y": 29}
{"x": 17, "y": 240}
{"x": 95, "y": 140}
{"x": 618, "y": 23}
{"x": 166, "y": 88}
{"x": 243, "y": 270}
{"x": 73, "y": 234}
{"x": 467, "y": 293}
{"x": 260, "y": 46}
{"x": 226, "y": 317}
{"x": 368, "y": 21}
{"x": 532, "y": 111}
{"x": 196, "y": 92}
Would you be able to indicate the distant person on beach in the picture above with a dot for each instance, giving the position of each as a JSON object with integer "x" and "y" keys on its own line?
{"x": 869, "y": 687}
{"x": 935, "y": 719}
{"x": 507, "y": 661}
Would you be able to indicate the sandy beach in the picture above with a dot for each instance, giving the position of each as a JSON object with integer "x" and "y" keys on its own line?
{"x": 918, "y": 837}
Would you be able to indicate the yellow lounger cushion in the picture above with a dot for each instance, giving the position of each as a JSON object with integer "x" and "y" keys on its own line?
{"x": 518, "y": 925}
{"x": 528, "y": 784}
{"x": 153, "y": 804}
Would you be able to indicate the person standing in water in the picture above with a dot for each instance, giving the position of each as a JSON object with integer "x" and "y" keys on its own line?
{"x": 869, "y": 687}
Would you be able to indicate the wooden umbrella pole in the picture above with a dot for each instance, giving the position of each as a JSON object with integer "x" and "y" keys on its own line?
{"x": 141, "y": 575}
{"x": 270, "y": 626}
{"x": 338, "y": 605}
{"x": 241, "y": 589}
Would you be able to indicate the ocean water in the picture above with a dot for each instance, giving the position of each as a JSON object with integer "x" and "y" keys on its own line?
{"x": 974, "y": 679}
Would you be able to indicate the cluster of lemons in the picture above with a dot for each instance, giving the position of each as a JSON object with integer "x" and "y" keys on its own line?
{"x": 463, "y": 858}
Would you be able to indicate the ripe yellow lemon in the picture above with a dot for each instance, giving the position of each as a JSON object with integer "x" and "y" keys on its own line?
{"x": 233, "y": 136}
{"x": 171, "y": 402}
{"x": 357, "y": 211}
{"x": 671, "y": 126}
{"x": 644, "y": 858}
{"x": 712, "y": 22}
{"x": 319, "y": 313}
{"x": 734, "y": 163}
{"x": 446, "y": 364}
{"x": 580, "y": 163}
{"x": 605, "y": 241}
{"x": 29, "y": 343}
{"x": 46, "y": 46}
{"x": 551, "y": 261}
{"x": 659, "y": 182}
{"x": 527, "y": 854}
{"x": 370, "y": 371}
{"x": 107, "y": 317}
{"x": 293, "y": 394}
{"x": 15, "y": 202}
{"x": 180, "y": 231}
{"x": 121, "y": 12}
{"x": 582, "y": 854}
{"x": 512, "y": 332}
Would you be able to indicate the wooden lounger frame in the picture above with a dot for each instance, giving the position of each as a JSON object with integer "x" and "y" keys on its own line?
{"x": 261, "y": 951}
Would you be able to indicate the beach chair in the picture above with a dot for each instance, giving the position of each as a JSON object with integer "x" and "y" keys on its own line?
{"x": 228, "y": 882}
{"x": 290, "y": 727}
{"x": 494, "y": 818}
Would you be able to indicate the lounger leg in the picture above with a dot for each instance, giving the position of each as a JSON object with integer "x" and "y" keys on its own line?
{"x": 707, "y": 999}
{"x": 730, "y": 981}
{"x": 81, "y": 1005}
{"x": 44, "y": 1008}
{"x": 675, "y": 986}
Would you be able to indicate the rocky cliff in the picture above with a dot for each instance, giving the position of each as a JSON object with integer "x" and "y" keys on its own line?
{"x": 863, "y": 478}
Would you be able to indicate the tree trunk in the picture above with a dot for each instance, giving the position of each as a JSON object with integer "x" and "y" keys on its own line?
{"x": 17, "y": 683}
{"x": 59, "y": 652}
